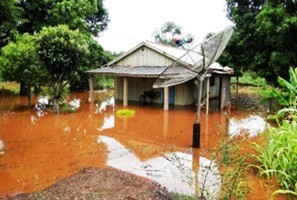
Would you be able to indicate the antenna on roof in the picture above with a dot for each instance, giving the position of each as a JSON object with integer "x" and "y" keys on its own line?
{"x": 199, "y": 58}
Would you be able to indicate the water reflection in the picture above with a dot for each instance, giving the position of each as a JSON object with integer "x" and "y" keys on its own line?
{"x": 248, "y": 127}
{"x": 108, "y": 122}
{"x": 101, "y": 107}
{"x": 172, "y": 170}
{"x": 1, "y": 147}
{"x": 52, "y": 147}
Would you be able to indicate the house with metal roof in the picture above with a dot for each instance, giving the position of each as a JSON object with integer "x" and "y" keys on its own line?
{"x": 136, "y": 71}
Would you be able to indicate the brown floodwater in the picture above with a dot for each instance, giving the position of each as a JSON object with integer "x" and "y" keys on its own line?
{"x": 37, "y": 149}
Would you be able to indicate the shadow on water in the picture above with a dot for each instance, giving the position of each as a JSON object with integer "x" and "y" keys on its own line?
{"x": 37, "y": 150}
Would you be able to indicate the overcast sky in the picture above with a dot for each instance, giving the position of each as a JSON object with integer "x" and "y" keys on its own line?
{"x": 134, "y": 21}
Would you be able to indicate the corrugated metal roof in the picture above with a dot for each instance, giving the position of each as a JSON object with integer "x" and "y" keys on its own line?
{"x": 178, "y": 54}
{"x": 138, "y": 71}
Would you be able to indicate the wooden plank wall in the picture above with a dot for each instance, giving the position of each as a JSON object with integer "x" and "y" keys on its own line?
{"x": 145, "y": 57}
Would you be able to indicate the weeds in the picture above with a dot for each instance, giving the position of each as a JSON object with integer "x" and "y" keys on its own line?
{"x": 233, "y": 167}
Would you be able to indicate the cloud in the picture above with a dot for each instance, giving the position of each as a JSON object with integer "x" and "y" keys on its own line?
{"x": 134, "y": 21}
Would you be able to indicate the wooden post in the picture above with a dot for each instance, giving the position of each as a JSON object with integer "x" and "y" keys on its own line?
{"x": 207, "y": 95}
{"x": 125, "y": 92}
{"x": 91, "y": 86}
{"x": 196, "y": 125}
{"x": 166, "y": 98}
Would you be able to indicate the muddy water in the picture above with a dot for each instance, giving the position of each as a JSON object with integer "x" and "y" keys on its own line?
{"x": 38, "y": 149}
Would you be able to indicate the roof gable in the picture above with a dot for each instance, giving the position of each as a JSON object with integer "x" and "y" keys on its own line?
{"x": 152, "y": 54}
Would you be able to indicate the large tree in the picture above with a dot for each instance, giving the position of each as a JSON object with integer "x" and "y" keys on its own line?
{"x": 89, "y": 16}
{"x": 19, "y": 62}
{"x": 10, "y": 16}
{"x": 264, "y": 39}
{"x": 61, "y": 51}
{"x": 96, "y": 58}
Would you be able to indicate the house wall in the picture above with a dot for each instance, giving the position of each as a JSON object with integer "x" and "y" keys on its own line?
{"x": 136, "y": 87}
{"x": 184, "y": 93}
{"x": 225, "y": 91}
{"x": 145, "y": 57}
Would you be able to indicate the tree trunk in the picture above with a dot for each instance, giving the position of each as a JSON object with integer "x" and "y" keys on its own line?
{"x": 23, "y": 89}
{"x": 56, "y": 106}
{"x": 29, "y": 94}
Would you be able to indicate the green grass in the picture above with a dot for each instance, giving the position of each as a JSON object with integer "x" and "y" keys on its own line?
{"x": 278, "y": 157}
{"x": 9, "y": 87}
{"x": 250, "y": 78}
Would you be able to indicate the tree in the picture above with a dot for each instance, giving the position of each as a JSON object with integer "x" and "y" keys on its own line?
{"x": 60, "y": 51}
{"x": 171, "y": 34}
{"x": 96, "y": 57}
{"x": 9, "y": 18}
{"x": 20, "y": 63}
{"x": 264, "y": 39}
{"x": 89, "y": 16}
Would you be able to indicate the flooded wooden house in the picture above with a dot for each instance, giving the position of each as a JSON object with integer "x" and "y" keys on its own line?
{"x": 136, "y": 70}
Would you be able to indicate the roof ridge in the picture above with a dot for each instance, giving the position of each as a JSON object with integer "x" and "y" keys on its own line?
{"x": 161, "y": 44}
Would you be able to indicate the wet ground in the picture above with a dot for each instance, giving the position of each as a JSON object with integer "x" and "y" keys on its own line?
{"x": 39, "y": 149}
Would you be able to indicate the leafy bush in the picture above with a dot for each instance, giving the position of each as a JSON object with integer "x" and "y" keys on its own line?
{"x": 250, "y": 78}
{"x": 286, "y": 94}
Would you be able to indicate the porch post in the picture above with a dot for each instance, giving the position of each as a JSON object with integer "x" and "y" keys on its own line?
{"x": 207, "y": 95}
{"x": 91, "y": 86}
{"x": 125, "y": 92}
{"x": 166, "y": 98}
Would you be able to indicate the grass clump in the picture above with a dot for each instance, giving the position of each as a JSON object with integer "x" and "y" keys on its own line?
{"x": 278, "y": 157}
{"x": 11, "y": 88}
{"x": 125, "y": 113}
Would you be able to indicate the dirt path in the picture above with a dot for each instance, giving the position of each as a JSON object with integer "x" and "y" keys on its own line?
{"x": 105, "y": 183}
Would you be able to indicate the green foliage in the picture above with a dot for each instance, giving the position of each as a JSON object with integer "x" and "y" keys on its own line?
{"x": 20, "y": 62}
{"x": 12, "y": 88}
{"x": 10, "y": 16}
{"x": 288, "y": 192}
{"x": 251, "y": 78}
{"x": 286, "y": 95}
{"x": 125, "y": 113}
{"x": 60, "y": 51}
{"x": 264, "y": 39}
{"x": 94, "y": 59}
{"x": 233, "y": 167}
{"x": 104, "y": 82}
{"x": 278, "y": 158}
{"x": 87, "y": 15}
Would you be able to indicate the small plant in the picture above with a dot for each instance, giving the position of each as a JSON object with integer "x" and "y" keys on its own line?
{"x": 286, "y": 94}
{"x": 233, "y": 167}
{"x": 125, "y": 113}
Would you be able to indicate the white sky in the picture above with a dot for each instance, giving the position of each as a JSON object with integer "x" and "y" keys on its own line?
{"x": 134, "y": 21}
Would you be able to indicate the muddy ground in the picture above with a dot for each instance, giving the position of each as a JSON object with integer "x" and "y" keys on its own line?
{"x": 104, "y": 183}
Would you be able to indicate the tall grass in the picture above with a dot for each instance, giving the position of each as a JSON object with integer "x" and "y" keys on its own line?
{"x": 278, "y": 157}
{"x": 250, "y": 78}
